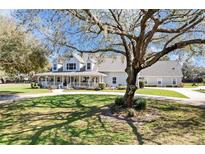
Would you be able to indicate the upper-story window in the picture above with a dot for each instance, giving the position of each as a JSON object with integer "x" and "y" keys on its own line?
{"x": 88, "y": 66}
{"x": 54, "y": 67}
{"x": 71, "y": 66}
{"x": 114, "y": 80}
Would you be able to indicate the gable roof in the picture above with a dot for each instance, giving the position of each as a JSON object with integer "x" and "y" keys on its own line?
{"x": 112, "y": 65}
{"x": 163, "y": 68}
{"x": 160, "y": 68}
{"x": 80, "y": 59}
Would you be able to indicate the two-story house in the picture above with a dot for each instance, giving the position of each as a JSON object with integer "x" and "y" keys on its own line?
{"x": 85, "y": 72}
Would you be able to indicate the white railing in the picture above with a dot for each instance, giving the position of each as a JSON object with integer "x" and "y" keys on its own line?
{"x": 69, "y": 85}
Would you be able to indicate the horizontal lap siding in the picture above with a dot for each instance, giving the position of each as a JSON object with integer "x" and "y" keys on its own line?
{"x": 121, "y": 78}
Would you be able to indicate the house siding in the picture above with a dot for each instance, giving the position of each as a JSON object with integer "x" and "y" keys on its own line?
{"x": 165, "y": 80}
{"x": 120, "y": 78}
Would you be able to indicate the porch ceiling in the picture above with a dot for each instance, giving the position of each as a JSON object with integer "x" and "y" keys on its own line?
{"x": 70, "y": 74}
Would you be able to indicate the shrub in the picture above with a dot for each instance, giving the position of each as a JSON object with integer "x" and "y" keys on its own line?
{"x": 169, "y": 85}
{"x": 141, "y": 84}
{"x": 151, "y": 85}
{"x": 34, "y": 85}
{"x": 140, "y": 104}
{"x": 194, "y": 84}
{"x": 130, "y": 112}
{"x": 102, "y": 86}
{"x": 181, "y": 85}
{"x": 121, "y": 87}
{"x": 119, "y": 101}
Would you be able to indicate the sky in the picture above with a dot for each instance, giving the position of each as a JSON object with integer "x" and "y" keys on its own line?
{"x": 199, "y": 61}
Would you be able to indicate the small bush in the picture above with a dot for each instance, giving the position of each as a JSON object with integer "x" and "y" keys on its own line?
{"x": 121, "y": 87}
{"x": 34, "y": 85}
{"x": 151, "y": 85}
{"x": 140, "y": 104}
{"x": 169, "y": 85}
{"x": 102, "y": 86}
{"x": 119, "y": 101}
{"x": 130, "y": 112}
{"x": 181, "y": 85}
{"x": 194, "y": 84}
{"x": 141, "y": 84}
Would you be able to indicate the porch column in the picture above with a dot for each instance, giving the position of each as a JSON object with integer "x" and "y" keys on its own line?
{"x": 46, "y": 80}
{"x": 62, "y": 80}
{"x": 78, "y": 81}
{"x": 38, "y": 79}
{"x": 54, "y": 80}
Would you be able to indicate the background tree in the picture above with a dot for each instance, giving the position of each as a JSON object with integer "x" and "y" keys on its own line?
{"x": 132, "y": 33}
{"x": 19, "y": 51}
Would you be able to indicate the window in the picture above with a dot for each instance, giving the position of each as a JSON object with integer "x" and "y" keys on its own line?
{"x": 114, "y": 80}
{"x": 174, "y": 81}
{"x": 71, "y": 66}
{"x": 159, "y": 81}
{"x": 54, "y": 67}
{"x": 58, "y": 79}
{"x": 88, "y": 66}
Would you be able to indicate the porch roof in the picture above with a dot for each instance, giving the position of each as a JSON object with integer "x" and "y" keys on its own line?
{"x": 70, "y": 74}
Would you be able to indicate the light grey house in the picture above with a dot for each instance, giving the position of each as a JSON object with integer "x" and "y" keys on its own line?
{"x": 85, "y": 72}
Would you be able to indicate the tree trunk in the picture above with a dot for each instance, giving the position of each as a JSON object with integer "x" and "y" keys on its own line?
{"x": 131, "y": 87}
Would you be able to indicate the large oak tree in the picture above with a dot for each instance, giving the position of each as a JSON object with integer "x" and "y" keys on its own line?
{"x": 142, "y": 36}
{"x": 19, "y": 51}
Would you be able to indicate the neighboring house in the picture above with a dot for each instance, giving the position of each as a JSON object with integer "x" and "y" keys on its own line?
{"x": 75, "y": 71}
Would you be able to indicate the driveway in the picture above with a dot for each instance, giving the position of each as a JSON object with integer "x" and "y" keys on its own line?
{"x": 195, "y": 98}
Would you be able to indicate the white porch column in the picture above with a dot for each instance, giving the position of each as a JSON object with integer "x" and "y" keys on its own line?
{"x": 62, "y": 80}
{"x": 78, "y": 81}
{"x": 54, "y": 80}
{"x": 38, "y": 79}
{"x": 46, "y": 80}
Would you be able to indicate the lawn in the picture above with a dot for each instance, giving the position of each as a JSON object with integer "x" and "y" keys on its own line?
{"x": 20, "y": 89}
{"x": 190, "y": 85}
{"x": 85, "y": 119}
{"x": 145, "y": 91}
{"x": 201, "y": 90}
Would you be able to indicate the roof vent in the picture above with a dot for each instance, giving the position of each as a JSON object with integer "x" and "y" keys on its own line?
{"x": 173, "y": 68}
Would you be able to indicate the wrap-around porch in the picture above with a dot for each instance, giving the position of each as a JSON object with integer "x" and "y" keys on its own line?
{"x": 67, "y": 80}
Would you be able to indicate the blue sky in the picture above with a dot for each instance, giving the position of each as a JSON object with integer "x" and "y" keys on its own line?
{"x": 200, "y": 61}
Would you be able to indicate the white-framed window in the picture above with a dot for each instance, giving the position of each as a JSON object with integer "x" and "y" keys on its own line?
{"x": 174, "y": 81}
{"x": 71, "y": 66}
{"x": 54, "y": 67}
{"x": 159, "y": 82}
{"x": 88, "y": 66}
{"x": 114, "y": 80}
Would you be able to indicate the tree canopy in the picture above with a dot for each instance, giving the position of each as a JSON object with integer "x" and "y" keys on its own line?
{"x": 19, "y": 51}
{"x": 142, "y": 36}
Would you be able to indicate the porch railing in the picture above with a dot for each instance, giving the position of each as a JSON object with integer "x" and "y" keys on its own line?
{"x": 69, "y": 85}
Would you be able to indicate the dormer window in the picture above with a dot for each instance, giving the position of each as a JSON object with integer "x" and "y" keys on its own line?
{"x": 88, "y": 66}
{"x": 54, "y": 67}
{"x": 71, "y": 66}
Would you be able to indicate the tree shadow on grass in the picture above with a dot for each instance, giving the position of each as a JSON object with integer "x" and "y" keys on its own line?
{"x": 37, "y": 127}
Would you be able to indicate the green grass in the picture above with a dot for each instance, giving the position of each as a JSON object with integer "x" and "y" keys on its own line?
{"x": 189, "y": 85}
{"x": 20, "y": 89}
{"x": 81, "y": 119}
{"x": 201, "y": 90}
{"x": 145, "y": 91}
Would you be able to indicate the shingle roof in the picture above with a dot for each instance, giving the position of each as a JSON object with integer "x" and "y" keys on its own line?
{"x": 80, "y": 59}
{"x": 112, "y": 65}
{"x": 160, "y": 68}
{"x": 71, "y": 74}
{"x": 163, "y": 68}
